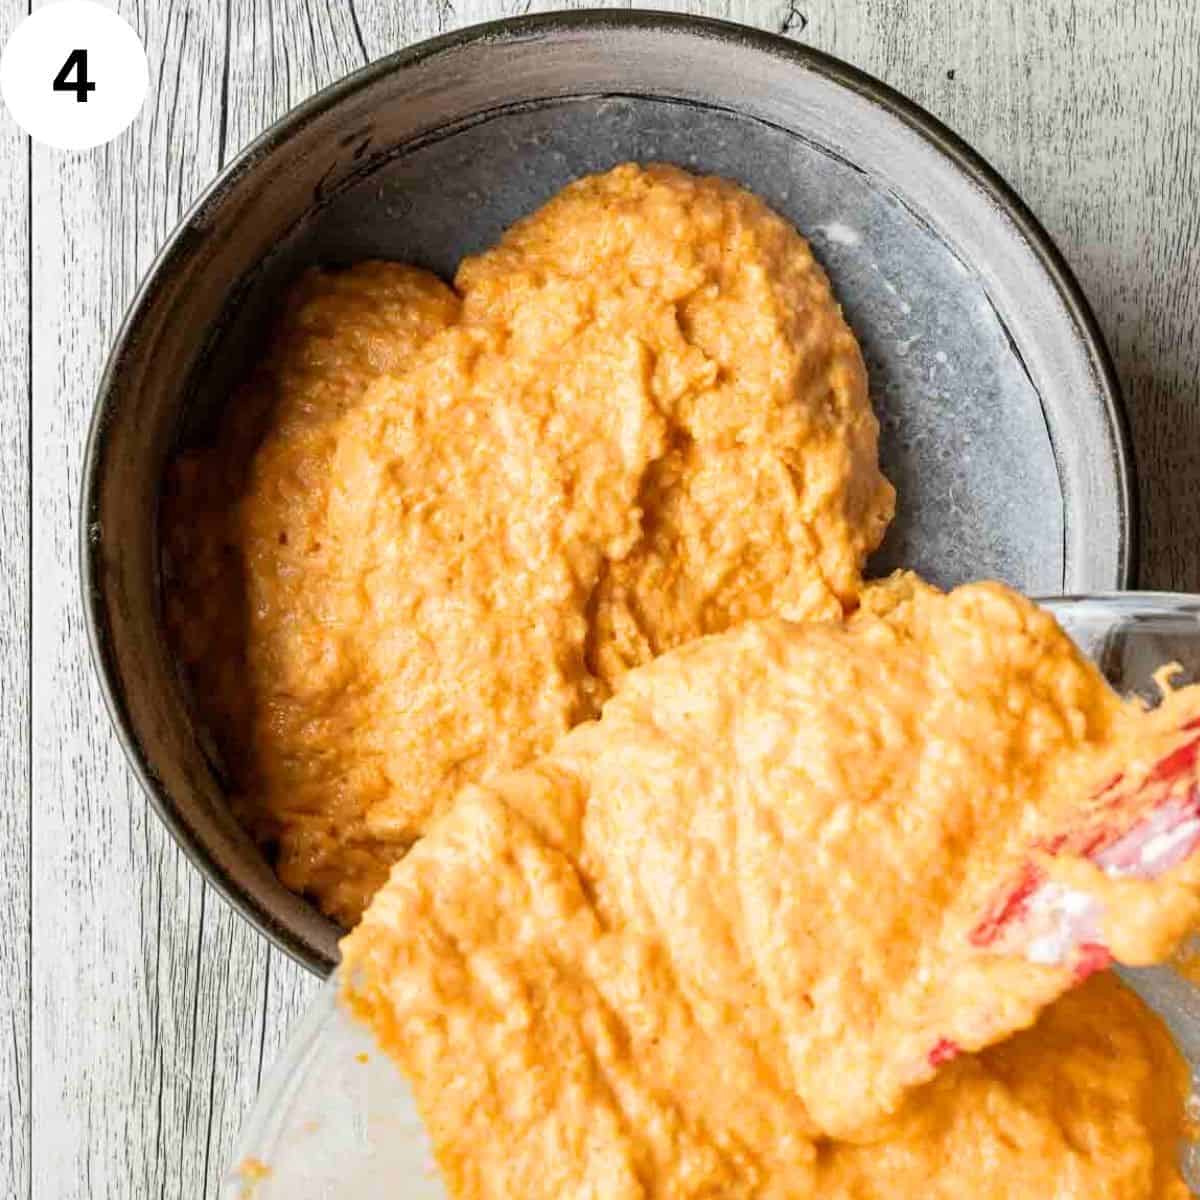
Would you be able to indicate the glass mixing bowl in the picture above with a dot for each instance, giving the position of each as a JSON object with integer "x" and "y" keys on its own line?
{"x": 335, "y": 1119}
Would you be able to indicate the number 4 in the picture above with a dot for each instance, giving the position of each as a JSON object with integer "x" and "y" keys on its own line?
{"x": 81, "y": 85}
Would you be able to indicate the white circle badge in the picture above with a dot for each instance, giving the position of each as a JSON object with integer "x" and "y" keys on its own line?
{"x": 74, "y": 74}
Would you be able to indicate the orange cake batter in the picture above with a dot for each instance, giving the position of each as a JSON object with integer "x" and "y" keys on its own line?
{"x": 709, "y": 944}
{"x": 440, "y": 525}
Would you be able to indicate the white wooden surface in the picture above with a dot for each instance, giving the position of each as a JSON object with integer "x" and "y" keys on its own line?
{"x": 136, "y": 1012}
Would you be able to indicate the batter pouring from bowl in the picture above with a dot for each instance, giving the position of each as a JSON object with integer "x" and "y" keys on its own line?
{"x": 715, "y": 943}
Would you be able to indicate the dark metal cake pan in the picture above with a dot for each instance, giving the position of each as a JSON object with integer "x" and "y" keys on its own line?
{"x": 1002, "y": 422}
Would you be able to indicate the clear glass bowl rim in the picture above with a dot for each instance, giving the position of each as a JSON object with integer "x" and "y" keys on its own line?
{"x": 1130, "y": 604}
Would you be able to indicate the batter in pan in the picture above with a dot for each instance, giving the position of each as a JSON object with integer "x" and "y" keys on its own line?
{"x": 440, "y": 525}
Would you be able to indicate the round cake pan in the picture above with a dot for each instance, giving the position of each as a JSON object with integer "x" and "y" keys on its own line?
{"x": 1002, "y": 423}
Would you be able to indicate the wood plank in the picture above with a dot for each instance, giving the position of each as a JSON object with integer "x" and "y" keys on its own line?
{"x": 148, "y": 992}
{"x": 15, "y": 811}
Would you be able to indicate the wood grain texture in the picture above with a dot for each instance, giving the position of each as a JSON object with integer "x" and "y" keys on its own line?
{"x": 155, "y": 1009}
{"x": 15, "y": 809}
{"x": 151, "y": 1000}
